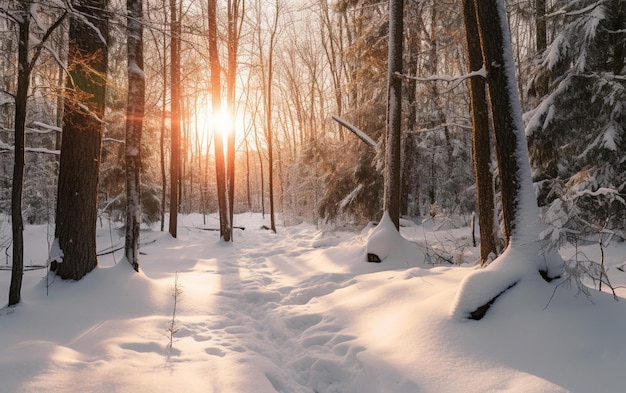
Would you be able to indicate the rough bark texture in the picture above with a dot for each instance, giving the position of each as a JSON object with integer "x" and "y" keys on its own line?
{"x": 216, "y": 105}
{"x": 175, "y": 117}
{"x": 393, "y": 180}
{"x": 134, "y": 127}
{"x": 77, "y": 199}
{"x": 17, "y": 221}
{"x": 501, "y": 94}
{"x": 480, "y": 135}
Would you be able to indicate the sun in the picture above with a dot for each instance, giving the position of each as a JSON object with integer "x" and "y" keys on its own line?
{"x": 207, "y": 123}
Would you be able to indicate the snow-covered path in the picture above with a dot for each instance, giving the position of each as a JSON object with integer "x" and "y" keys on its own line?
{"x": 298, "y": 312}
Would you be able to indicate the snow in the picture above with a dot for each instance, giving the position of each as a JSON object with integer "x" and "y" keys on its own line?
{"x": 301, "y": 311}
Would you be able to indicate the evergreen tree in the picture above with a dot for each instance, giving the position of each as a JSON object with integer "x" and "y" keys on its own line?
{"x": 577, "y": 131}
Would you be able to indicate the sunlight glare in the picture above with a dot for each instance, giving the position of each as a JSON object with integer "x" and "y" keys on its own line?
{"x": 207, "y": 124}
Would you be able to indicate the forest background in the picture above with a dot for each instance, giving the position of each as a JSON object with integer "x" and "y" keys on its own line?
{"x": 298, "y": 64}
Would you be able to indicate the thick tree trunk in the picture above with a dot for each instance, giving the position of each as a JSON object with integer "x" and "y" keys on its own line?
{"x": 77, "y": 198}
{"x": 519, "y": 204}
{"x": 134, "y": 127}
{"x": 480, "y": 136}
{"x": 393, "y": 181}
{"x": 175, "y": 85}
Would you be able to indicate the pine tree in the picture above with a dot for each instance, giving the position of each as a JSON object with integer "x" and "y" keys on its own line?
{"x": 577, "y": 131}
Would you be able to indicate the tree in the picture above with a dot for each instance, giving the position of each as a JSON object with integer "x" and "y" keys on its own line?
{"x": 267, "y": 91}
{"x": 216, "y": 105}
{"x": 77, "y": 198}
{"x": 580, "y": 83}
{"x": 22, "y": 17}
{"x": 175, "y": 86}
{"x": 480, "y": 135}
{"x": 394, "y": 113}
{"x": 519, "y": 204}
{"x": 235, "y": 20}
{"x": 134, "y": 127}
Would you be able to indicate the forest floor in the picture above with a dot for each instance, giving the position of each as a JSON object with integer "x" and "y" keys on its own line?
{"x": 302, "y": 311}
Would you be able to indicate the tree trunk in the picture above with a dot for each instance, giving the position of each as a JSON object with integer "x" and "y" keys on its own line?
{"x": 77, "y": 198}
{"x": 540, "y": 26}
{"x": 480, "y": 136}
{"x": 269, "y": 132}
{"x": 134, "y": 127}
{"x": 175, "y": 117}
{"x": 234, "y": 16}
{"x": 21, "y": 98}
{"x": 162, "y": 135}
{"x": 519, "y": 203}
{"x": 216, "y": 105}
{"x": 394, "y": 114}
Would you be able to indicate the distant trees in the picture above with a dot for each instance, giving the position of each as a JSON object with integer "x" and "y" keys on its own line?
{"x": 77, "y": 198}
{"x": 289, "y": 69}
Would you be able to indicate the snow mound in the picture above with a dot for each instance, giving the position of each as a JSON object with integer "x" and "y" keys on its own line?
{"x": 386, "y": 243}
{"x": 484, "y": 286}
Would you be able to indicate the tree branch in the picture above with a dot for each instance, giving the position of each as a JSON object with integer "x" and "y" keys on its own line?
{"x": 363, "y": 136}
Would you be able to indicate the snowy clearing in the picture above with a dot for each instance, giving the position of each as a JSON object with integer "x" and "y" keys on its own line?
{"x": 302, "y": 311}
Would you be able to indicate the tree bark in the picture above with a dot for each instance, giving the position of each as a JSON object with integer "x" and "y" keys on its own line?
{"x": 519, "y": 204}
{"x": 175, "y": 85}
{"x": 480, "y": 135}
{"x": 234, "y": 20}
{"x": 269, "y": 132}
{"x": 134, "y": 127}
{"x": 77, "y": 198}
{"x": 393, "y": 179}
{"x": 216, "y": 105}
{"x": 21, "y": 98}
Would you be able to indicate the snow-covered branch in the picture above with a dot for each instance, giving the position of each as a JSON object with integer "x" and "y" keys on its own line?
{"x": 445, "y": 78}
{"x": 5, "y": 149}
{"x": 363, "y": 136}
{"x": 565, "y": 12}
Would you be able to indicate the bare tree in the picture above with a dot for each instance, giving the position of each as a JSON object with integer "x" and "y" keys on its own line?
{"x": 216, "y": 103}
{"x": 480, "y": 135}
{"x": 519, "y": 204}
{"x": 235, "y": 20}
{"x": 267, "y": 72}
{"x": 22, "y": 17}
{"x": 134, "y": 128}
{"x": 175, "y": 86}
{"x": 394, "y": 113}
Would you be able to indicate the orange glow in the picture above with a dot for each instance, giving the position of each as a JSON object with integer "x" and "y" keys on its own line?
{"x": 208, "y": 123}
